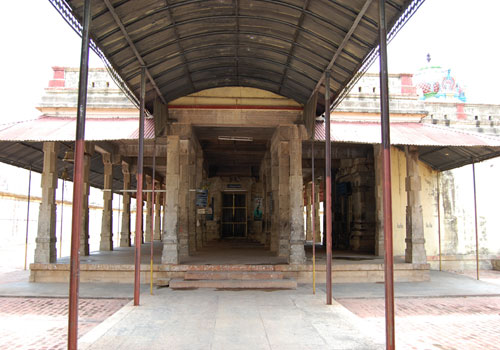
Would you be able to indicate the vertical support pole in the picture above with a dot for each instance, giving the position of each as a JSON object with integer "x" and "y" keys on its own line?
{"x": 78, "y": 184}
{"x": 439, "y": 221}
{"x": 475, "y": 218}
{"x": 328, "y": 189}
{"x": 62, "y": 216}
{"x": 386, "y": 183}
{"x": 27, "y": 222}
{"x": 140, "y": 165}
{"x": 313, "y": 217}
{"x": 153, "y": 211}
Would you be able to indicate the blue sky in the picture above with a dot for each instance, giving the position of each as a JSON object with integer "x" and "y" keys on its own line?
{"x": 459, "y": 34}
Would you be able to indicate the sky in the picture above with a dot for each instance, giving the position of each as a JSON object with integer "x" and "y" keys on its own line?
{"x": 458, "y": 34}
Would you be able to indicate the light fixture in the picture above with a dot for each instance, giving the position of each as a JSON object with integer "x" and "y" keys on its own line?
{"x": 236, "y": 138}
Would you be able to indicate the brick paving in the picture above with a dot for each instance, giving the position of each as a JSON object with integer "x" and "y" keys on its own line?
{"x": 41, "y": 323}
{"x": 436, "y": 323}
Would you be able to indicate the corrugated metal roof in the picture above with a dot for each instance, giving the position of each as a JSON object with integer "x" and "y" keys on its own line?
{"x": 416, "y": 134}
{"x": 443, "y": 148}
{"x": 283, "y": 46}
{"x": 64, "y": 129}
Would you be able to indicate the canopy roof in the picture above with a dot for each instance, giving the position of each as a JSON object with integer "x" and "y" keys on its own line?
{"x": 283, "y": 46}
{"x": 443, "y": 148}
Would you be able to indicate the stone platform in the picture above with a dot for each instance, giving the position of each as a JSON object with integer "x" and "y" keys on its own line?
{"x": 227, "y": 257}
{"x": 341, "y": 273}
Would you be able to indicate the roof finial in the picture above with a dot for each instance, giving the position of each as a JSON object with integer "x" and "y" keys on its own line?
{"x": 428, "y": 57}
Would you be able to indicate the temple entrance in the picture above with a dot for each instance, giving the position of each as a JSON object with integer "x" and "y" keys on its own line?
{"x": 234, "y": 215}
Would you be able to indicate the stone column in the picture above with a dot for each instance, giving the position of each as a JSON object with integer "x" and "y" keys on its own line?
{"x": 379, "y": 205}
{"x": 157, "y": 231}
{"x": 200, "y": 219}
{"x": 125, "y": 226}
{"x": 106, "y": 243}
{"x": 284, "y": 198}
{"x": 309, "y": 232}
{"x": 274, "y": 239}
{"x": 296, "y": 199}
{"x": 84, "y": 223}
{"x": 149, "y": 209}
{"x": 170, "y": 254}
{"x": 191, "y": 204}
{"x": 45, "y": 251}
{"x": 184, "y": 197}
{"x": 415, "y": 242}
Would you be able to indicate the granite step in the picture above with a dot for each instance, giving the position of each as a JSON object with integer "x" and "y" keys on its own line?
{"x": 234, "y": 284}
{"x": 233, "y": 275}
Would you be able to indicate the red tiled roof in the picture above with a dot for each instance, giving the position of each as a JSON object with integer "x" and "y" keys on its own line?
{"x": 64, "y": 129}
{"x": 417, "y": 134}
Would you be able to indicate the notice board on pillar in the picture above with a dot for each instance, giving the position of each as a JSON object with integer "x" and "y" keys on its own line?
{"x": 201, "y": 198}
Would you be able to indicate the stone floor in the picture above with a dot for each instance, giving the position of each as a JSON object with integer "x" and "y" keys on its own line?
{"x": 449, "y": 312}
{"x": 222, "y": 252}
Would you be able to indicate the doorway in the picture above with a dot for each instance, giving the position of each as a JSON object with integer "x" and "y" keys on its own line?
{"x": 234, "y": 215}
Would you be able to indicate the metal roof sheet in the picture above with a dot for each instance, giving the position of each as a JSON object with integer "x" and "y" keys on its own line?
{"x": 283, "y": 46}
{"x": 417, "y": 134}
{"x": 443, "y": 148}
{"x": 46, "y": 128}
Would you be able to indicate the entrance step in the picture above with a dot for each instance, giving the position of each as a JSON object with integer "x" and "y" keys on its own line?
{"x": 162, "y": 282}
{"x": 234, "y": 284}
{"x": 233, "y": 275}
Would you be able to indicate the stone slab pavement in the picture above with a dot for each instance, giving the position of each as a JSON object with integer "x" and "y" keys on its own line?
{"x": 230, "y": 319}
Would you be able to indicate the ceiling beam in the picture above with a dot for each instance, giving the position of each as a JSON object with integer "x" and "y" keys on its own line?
{"x": 119, "y": 23}
{"x": 342, "y": 45}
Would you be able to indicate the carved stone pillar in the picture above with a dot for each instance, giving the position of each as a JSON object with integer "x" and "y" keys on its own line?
{"x": 45, "y": 251}
{"x": 106, "y": 243}
{"x": 125, "y": 226}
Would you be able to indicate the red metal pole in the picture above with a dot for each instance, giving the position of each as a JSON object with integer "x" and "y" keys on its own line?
{"x": 475, "y": 218}
{"x": 328, "y": 189}
{"x": 439, "y": 221}
{"x": 74, "y": 278}
{"x": 386, "y": 185}
{"x": 313, "y": 218}
{"x": 140, "y": 165}
{"x": 153, "y": 212}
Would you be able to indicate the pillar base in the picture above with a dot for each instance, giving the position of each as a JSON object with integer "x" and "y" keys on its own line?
{"x": 170, "y": 254}
{"x": 124, "y": 240}
{"x": 297, "y": 253}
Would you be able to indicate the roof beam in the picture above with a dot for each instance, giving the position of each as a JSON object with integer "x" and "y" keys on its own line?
{"x": 177, "y": 40}
{"x": 294, "y": 41}
{"x": 342, "y": 45}
{"x": 119, "y": 23}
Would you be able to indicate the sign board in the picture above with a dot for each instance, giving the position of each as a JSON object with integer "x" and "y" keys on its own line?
{"x": 201, "y": 198}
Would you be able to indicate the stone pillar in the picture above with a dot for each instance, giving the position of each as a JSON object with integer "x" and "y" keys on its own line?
{"x": 149, "y": 209}
{"x": 106, "y": 243}
{"x": 200, "y": 219}
{"x": 184, "y": 197}
{"x": 157, "y": 228}
{"x": 170, "y": 254}
{"x": 125, "y": 226}
{"x": 284, "y": 198}
{"x": 45, "y": 251}
{"x": 296, "y": 199}
{"x": 415, "y": 242}
{"x": 379, "y": 205}
{"x": 309, "y": 233}
{"x": 274, "y": 210}
{"x": 84, "y": 223}
{"x": 191, "y": 204}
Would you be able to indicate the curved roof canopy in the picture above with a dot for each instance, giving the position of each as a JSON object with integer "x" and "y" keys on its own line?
{"x": 280, "y": 46}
